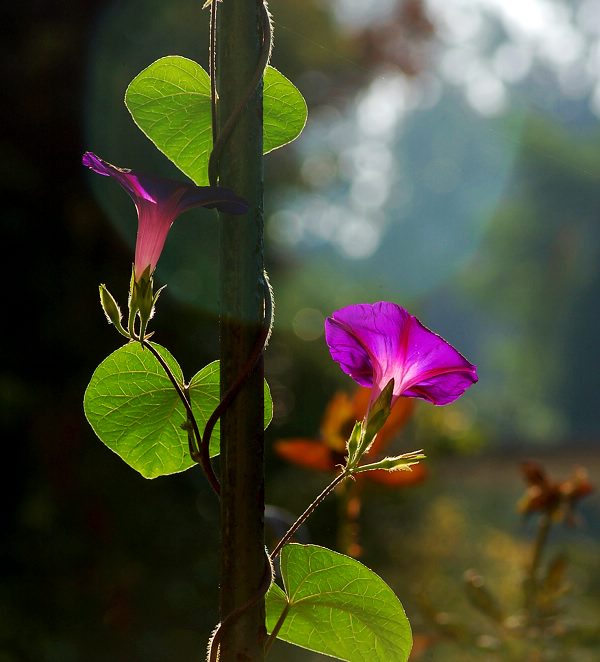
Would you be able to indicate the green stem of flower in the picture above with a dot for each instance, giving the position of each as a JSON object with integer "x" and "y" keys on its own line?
{"x": 131, "y": 323}
{"x": 308, "y": 512}
{"x": 540, "y": 542}
{"x": 197, "y": 457}
{"x": 271, "y": 638}
{"x": 121, "y": 330}
{"x": 531, "y": 580}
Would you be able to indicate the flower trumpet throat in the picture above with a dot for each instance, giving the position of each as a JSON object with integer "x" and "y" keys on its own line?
{"x": 159, "y": 202}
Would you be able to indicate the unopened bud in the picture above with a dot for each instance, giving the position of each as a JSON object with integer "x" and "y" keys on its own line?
{"x": 111, "y": 309}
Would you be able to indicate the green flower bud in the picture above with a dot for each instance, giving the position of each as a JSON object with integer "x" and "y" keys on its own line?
{"x": 353, "y": 443}
{"x": 111, "y": 309}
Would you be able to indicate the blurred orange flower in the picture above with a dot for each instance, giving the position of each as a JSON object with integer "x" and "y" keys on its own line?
{"x": 341, "y": 414}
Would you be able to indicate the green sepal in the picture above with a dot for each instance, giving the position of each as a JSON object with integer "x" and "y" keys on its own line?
{"x": 377, "y": 416}
{"x": 142, "y": 300}
{"x": 397, "y": 463}
{"x": 131, "y": 304}
{"x": 111, "y": 309}
{"x": 156, "y": 295}
{"x": 354, "y": 442}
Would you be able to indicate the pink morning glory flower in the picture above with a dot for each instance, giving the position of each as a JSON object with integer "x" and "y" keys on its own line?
{"x": 374, "y": 343}
{"x": 159, "y": 202}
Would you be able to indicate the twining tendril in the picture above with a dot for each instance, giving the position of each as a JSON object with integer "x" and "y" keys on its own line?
{"x": 220, "y": 138}
{"x": 257, "y": 351}
{"x": 212, "y": 67}
{"x": 265, "y": 582}
{"x": 199, "y": 444}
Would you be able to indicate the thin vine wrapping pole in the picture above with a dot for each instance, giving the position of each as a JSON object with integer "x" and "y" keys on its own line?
{"x": 239, "y": 48}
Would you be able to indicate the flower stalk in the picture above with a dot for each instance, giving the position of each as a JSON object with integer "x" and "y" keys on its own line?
{"x": 308, "y": 512}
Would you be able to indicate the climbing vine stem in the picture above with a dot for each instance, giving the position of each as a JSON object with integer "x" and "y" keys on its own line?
{"x": 308, "y": 512}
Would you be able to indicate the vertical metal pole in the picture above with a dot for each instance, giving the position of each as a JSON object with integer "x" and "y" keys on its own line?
{"x": 241, "y": 268}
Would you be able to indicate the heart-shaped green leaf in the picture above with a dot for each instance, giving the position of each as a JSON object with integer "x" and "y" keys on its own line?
{"x": 134, "y": 409}
{"x": 170, "y": 103}
{"x": 284, "y": 110}
{"x": 337, "y": 606}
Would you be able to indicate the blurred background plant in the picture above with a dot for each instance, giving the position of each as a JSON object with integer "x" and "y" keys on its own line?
{"x": 540, "y": 627}
{"x": 451, "y": 163}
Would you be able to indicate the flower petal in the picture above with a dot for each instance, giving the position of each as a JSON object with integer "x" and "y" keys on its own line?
{"x": 374, "y": 343}
{"x": 180, "y": 196}
{"x": 338, "y": 421}
{"x": 159, "y": 202}
{"x": 356, "y": 340}
{"x": 434, "y": 370}
{"x": 128, "y": 179}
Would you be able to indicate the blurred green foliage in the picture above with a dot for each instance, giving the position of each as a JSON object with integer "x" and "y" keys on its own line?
{"x": 541, "y": 261}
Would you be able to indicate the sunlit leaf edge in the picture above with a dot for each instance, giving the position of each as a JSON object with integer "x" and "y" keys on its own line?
{"x": 277, "y": 599}
{"x": 199, "y": 172}
{"x": 89, "y": 400}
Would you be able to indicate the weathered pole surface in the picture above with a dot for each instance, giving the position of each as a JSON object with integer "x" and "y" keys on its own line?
{"x": 239, "y": 39}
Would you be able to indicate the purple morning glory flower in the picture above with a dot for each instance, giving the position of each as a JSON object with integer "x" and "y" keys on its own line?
{"x": 374, "y": 343}
{"x": 159, "y": 202}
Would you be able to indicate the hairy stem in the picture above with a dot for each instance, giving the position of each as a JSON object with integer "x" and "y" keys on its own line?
{"x": 271, "y": 638}
{"x": 308, "y": 512}
{"x": 212, "y": 61}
